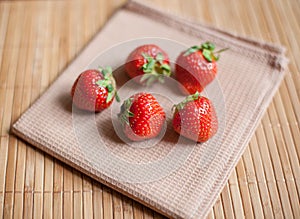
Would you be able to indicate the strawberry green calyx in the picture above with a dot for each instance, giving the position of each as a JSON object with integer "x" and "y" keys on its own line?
{"x": 125, "y": 113}
{"x": 109, "y": 83}
{"x": 188, "y": 99}
{"x": 207, "y": 50}
{"x": 155, "y": 69}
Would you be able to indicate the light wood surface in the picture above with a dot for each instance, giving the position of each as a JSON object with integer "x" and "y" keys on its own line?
{"x": 37, "y": 41}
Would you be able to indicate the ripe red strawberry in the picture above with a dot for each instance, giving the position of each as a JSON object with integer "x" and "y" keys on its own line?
{"x": 195, "y": 118}
{"x": 150, "y": 62}
{"x": 141, "y": 117}
{"x": 196, "y": 67}
{"x": 94, "y": 90}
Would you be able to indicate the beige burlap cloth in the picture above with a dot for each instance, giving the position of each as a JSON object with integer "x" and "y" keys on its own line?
{"x": 174, "y": 177}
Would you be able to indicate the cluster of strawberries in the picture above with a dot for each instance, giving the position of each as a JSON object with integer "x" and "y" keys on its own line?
{"x": 141, "y": 115}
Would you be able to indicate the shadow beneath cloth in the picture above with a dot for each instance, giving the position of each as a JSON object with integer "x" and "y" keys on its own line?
{"x": 120, "y": 76}
{"x": 173, "y": 137}
{"x": 170, "y": 135}
{"x": 107, "y": 131}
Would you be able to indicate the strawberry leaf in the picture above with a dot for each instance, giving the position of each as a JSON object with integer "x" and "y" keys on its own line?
{"x": 154, "y": 68}
{"x": 130, "y": 114}
{"x": 161, "y": 79}
{"x": 146, "y": 56}
{"x": 102, "y": 83}
{"x": 125, "y": 111}
{"x": 151, "y": 80}
{"x": 149, "y": 66}
{"x": 211, "y": 46}
{"x": 204, "y": 46}
{"x": 188, "y": 99}
{"x": 145, "y": 77}
{"x": 159, "y": 57}
{"x": 207, "y": 50}
{"x": 117, "y": 97}
{"x": 106, "y": 72}
{"x": 108, "y": 82}
{"x": 109, "y": 88}
{"x": 207, "y": 54}
{"x": 192, "y": 50}
{"x": 208, "y": 45}
{"x": 109, "y": 97}
{"x": 166, "y": 67}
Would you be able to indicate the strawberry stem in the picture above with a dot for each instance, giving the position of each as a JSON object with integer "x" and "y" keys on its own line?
{"x": 155, "y": 69}
{"x": 188, "y": 99}
{"x": 207, "y": 50}
{"x": 109, "y": 83}
{"x": 125, "y": 111}
{"x": 117, "y": 97}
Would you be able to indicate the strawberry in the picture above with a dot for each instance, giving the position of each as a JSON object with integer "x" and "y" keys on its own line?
{"x": 195, "y": 118}
{"x": 196, "y": 67}
{"x": 94, "y": 90}
{"x": 150, "y": 62}
{"x": 141, "y": 117}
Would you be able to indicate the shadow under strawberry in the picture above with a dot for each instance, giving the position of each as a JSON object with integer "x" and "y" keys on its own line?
{"x": 65, "y": 100}
{"x": 107, "y": 132}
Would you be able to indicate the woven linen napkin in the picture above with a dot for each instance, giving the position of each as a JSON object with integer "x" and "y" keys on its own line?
{"x": 187, "y": 184}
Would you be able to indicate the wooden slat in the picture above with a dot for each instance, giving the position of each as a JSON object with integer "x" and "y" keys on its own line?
{"x": 4, "y": 16}
{"x": 288, "y": 121}
{"x": 117, "y": 205}
{"x": 77, "y": 195}
{"x": 58, "y": 190}
{"x": 148, "y": 214}
{"x": 236, "y": 195}
{"x": 11, "y": 165}
{"x": 68, "y": 193}
{"x": 3, "y": 161}
{"x": 261, "y": 180}
{"x": 48, "y": 187}
{"x": 252, "y": 184}
{"x": 18, "y": 205}
{"x": 277, "y": 167}
{"x": 97, "y": 201}
{"x": 20, "y": 180}
{"x": 211, "y": 215}
{"x": 137, "y": 210}
{"x": 38, "y": 185}
{"x": 227, "y": 202}
{"x": 107, "y": 203}
{"x": 8, "y": 205}
{"x": 262, "y": 138}
{"x": 128, "y": 209}
{"x": 38, "y": 205}
{"x": 280, "y": 36}
{"x": 244, "y": 189}
{"x": 286, "y": 168}
{"x": 289, "y": 160}
{"x": 29, "y": 183}
{"x": 158, "y": 216}
{"x": 87, "y": 198}
{"x": 46, "y": 39}
{"x": 218, "y": 209}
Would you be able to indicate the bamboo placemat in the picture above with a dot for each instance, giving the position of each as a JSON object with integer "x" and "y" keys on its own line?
{"x": 264, "y": 183}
